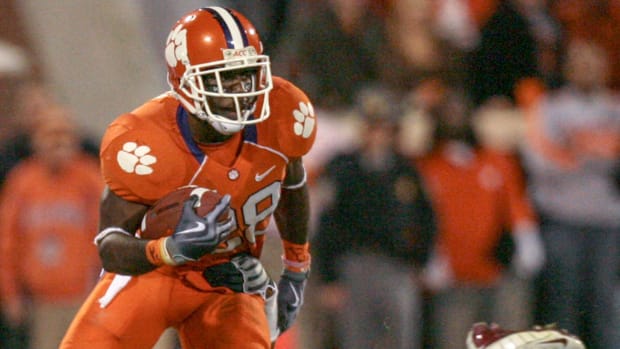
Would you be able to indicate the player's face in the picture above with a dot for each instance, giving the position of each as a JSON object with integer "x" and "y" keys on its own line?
{"x": 235, "y": 81}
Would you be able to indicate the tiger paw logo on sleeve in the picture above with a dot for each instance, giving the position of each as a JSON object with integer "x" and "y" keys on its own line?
{"x": 133, "y": 158}
{"x": 304, "y": 120}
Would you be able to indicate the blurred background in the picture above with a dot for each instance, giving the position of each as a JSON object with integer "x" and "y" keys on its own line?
{"x": 538, "y": 81}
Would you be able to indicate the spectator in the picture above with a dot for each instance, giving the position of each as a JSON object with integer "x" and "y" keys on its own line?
{"x": 31, "y": 100}
{"x": 413, "y": 50}
{"x": 597, "y": 21}
{"x": 570, "y": 157}
{"x": 14, "y": 67}
{"x": 373, "y": 235}
{"x": 48, "y": 218}
{"x": 548, "y": 37}
{"x": 506, "y": 53}
{"x": 478, "y": 194}
{"x": 335, "y": 51}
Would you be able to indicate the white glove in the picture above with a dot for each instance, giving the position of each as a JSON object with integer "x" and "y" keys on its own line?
{"x": 437, "y": 275}
{"x": 529, "y": 256}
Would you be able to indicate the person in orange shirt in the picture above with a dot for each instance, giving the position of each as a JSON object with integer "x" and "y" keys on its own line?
{"x": 48, "y": 218}
{"x": 228, "y": 125}
{"x": 478, "y": 194}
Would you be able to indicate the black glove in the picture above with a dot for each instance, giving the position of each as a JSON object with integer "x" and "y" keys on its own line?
{"x": 290, "y": 297}
{"x": 196, "y": 236}
{"x": 244, "y": 273}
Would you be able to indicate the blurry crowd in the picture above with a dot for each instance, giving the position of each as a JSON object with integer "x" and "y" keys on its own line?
{"x": 467, "y": 168}
{"x": 509, "y": 114}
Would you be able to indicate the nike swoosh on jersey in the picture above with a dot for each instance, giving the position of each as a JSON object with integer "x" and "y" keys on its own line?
{"x": 260, "y": 176}
{"x": 199, "y": 227}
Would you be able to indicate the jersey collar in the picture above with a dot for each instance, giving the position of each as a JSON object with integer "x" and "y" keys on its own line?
{"x": 249, "y": 134}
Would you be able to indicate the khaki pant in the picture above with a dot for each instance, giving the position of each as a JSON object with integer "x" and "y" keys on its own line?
{"x": 455, "y": 310}
{"x": 50, "y": 322}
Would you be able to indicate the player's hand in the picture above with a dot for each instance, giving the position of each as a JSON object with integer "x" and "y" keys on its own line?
{"x": 196, "y": 236}
{"x": 290, "y": 297}
{"x": 244, "y": 273}
{"x": 529, "y": 257}
{"x": 437, "y": 275}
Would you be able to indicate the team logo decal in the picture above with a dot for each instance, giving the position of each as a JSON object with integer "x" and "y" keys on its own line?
{"x": 234, "y": 54}
{"x": 176, "y": 47}
{"x": 304, "y": 120}
{"x": 134, "y": 158}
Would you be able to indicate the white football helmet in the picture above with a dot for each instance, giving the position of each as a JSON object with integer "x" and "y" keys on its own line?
{"x": 485, "y": 336}
{"x": 214, "y": 56}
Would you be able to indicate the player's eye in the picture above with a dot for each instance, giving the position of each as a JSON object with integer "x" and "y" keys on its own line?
{"x": 210, "y": 83}
{"x": 247, "y": 84}
{"x": 232, "y": 81}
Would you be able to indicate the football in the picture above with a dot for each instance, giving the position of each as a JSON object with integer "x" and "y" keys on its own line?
{"x": 161, "y": 219}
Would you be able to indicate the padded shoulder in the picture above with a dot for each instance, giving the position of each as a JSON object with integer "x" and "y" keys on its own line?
{"x": 140, "y": 158}
{"x": 292, "y": 126}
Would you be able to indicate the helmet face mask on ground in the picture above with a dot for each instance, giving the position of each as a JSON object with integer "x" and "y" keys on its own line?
{"x": 485, "y": 336}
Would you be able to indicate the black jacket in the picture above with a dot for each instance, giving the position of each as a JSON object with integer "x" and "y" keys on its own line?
{"x": 383, "y": 211}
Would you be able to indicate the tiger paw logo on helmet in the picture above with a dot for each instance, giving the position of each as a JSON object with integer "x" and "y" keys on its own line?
{"x": 176, "y": 47}
{"x": 304, "y": 120}
{"x": 136, "y": 159}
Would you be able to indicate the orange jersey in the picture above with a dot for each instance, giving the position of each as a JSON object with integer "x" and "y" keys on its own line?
{"x": 47, "y": 224}
{"x": 150, "y": 151}
{"x": 475, "y": 203}
{"x": 146, "y": 154}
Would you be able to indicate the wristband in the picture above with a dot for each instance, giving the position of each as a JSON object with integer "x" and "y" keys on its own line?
{"x": 157, "y": 253}
{"x": 296, "y": 256}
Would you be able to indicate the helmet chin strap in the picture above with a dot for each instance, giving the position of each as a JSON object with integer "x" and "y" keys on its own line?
{"x": 226, "y": 128}
{"x": 221, "y": 127}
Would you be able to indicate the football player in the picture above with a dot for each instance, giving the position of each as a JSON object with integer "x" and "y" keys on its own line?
{"x": 492, "y": 336}
{"x": 227, "y": 124}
